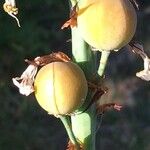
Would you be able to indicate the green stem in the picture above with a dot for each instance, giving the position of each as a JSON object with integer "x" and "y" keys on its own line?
{"x": 83, "y": 55}
{"x": 66, "y": 122}
{"x": 103, "y": 62}
{"x": 84, "y": 125}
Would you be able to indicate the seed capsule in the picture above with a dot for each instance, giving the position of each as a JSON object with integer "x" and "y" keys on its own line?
{"x": 60, "y": 88}
{"x": 106, "y": 24}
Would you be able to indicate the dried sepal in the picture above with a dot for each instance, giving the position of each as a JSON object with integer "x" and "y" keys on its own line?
{"x": 72, "y": 22}
{"x": 10, "y": 7}
{"x": 26, "y": 80}
{"x": 73, "y": 147}
{"x": 135, "y": 3}
{"x": 145, "y": 74}
{"x": 46, "y": 59}
{"x": 102, "y": 108}
{"x": 138, "y": 49}
{"x": 53, "y": 57}
{"x": 97, "y": 92}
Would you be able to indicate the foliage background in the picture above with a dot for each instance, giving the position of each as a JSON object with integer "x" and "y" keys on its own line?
{"x": 25, "y": 126}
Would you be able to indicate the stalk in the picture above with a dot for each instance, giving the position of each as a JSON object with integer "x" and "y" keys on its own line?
{"x": 103, "y": 62}
{"x": 67, "y": 124}
{"x": 84, "y": 124}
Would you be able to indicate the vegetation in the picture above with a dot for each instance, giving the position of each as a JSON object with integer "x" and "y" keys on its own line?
{"x": 24, "y": 126}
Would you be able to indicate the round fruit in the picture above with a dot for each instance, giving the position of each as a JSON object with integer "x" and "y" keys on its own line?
{"x": 106, "y": 24}
{"x": 60, "y": 87}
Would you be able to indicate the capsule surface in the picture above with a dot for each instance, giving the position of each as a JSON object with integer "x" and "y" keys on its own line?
{"x": 106, "y": 24}
{"x": 60, "y": 87}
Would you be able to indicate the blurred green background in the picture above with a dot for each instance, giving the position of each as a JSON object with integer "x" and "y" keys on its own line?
{"x": 24, "y": 125}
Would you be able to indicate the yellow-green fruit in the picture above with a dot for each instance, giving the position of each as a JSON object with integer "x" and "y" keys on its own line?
{"x": 106, "y": 24}
{"x": 60, "y": 87}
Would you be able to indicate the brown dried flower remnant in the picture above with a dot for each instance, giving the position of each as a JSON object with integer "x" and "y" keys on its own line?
{"x": 145, "y": 74}
{"x": 26, "y": 80}
{"x": 46, "y": 59}
{"x": 10, "y": 7}
{"x": 73, "y": 147}
{"x": 138, "y": 49}
{"x": 72, "y": 22}
{"x": 102, "y": 108}
{"x": 135, "y": 3}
